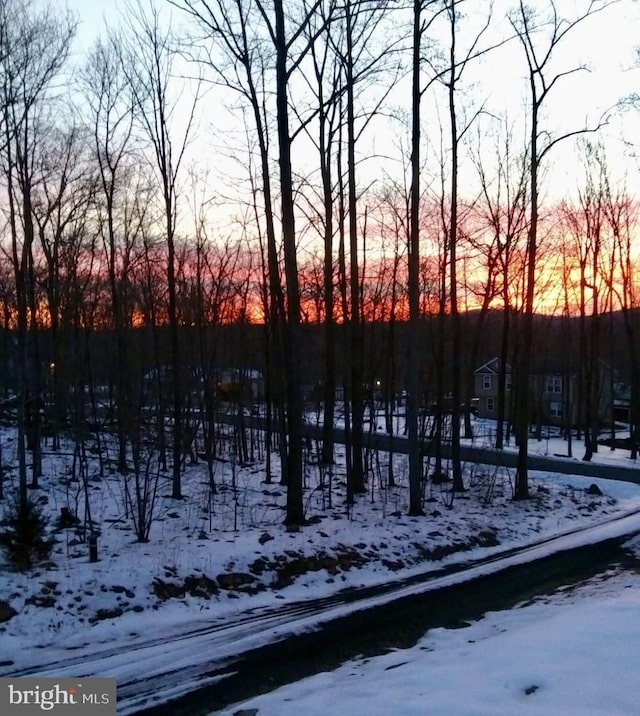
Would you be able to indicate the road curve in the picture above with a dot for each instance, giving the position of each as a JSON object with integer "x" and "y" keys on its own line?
{"x": 153, "y": 671}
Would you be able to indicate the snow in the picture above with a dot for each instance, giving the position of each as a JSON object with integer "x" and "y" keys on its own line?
{"x": 574, "y": 654}
{"x": 74, "y": 615}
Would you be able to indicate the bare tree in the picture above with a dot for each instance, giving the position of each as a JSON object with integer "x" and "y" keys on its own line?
{"x": 283, "y": 45}
{"x": 62, "y": 201}
{"x": 234, "y": 49}
{"x": 621, "y": 213}
{"x": 503, "y": 213}
{"x": 327, "y": 84}
{"x": 457, "y": 65}
{"x": 109, "y": 111}
{"x": 587, "y": 227}
{"x": 278, "y": 47}
{"x": 149, "y": 64}
{"x": 540, "y": 36}
{"x": 35, "y": 47}
{"x": 362, "y": 60}
{"x": 420, "y": 25}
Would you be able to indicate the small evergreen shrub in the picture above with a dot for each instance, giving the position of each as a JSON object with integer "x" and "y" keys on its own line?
{"x": 26, "y": 542}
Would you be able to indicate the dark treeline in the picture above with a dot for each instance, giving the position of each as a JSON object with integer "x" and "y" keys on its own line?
{"x": 239, "y": 349}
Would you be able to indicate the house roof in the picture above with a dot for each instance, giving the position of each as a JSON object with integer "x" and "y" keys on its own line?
{"x": 492, "y": 367}
{"x": 540, "y": 367}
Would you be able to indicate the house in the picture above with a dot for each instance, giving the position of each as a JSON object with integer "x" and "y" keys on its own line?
{"x": 622, "y": 402}
{"x": 555, "y": 394}
{"x": 486, "y": 384}
{"x": 239, "y": 385}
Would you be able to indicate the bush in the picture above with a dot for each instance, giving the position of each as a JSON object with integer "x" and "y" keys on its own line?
{"x": 26, "y": 543}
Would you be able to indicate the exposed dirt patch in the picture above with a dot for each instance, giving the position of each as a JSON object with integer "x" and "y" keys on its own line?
{"x": 285, "y": 569}
{"x": 485, "y": 538}
{"x": 6, "y": 612}
{"x": 196, "y": 586}
{"x": 103, "y": 614}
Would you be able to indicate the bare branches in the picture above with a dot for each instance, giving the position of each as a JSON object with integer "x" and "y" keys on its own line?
{"x": 528, "y": 27}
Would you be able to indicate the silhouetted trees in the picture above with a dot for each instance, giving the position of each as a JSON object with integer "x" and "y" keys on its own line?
{"x": 342, "y": 192}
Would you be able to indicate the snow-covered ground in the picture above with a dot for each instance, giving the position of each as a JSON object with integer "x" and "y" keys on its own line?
{"x": 212, "y": 556}
{"x": 574, "y": 654}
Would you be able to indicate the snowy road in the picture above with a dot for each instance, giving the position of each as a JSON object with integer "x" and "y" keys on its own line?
{"x": 470, "y": 453}
{"x": 167, "y": 666}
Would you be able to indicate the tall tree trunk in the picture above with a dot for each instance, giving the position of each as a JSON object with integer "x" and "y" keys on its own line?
{"x": 456, "y": 348}
{"x": 356, "y": 477}
{"x": 292, "y": 363}
{"x": 413, "y": 357}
